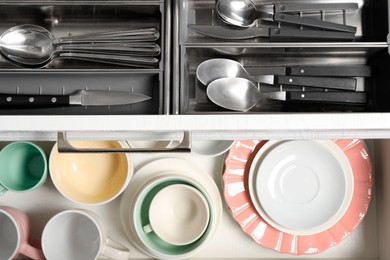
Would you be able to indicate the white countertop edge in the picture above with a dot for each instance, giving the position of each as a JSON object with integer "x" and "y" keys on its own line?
{"x": 224, "y": 126}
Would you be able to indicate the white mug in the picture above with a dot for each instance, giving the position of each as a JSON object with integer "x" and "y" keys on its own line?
{"x": 79, "y": 234}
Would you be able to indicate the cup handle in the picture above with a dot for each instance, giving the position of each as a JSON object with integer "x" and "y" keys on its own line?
{"x": 32, "y": 252}
{"x": 3, "y": 190}
{"x": 115, "y": 250}
{"x": 147, "y": 228}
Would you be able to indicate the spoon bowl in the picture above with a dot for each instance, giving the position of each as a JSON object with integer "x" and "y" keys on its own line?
{"x": 237, "y": 94}
{"x": 240, "y": 13}
{"x": 33, "y": 46}
{"x": 213, "y": 69}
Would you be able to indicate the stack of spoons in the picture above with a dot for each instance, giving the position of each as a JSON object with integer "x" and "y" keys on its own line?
{"x": 230, "y": 86}
{"x": 32, "y": 46}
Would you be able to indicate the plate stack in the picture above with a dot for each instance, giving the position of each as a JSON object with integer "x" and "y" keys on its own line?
{"x": 298, "y": 196}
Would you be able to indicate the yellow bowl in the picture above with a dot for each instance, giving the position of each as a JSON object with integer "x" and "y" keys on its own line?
{"x": 91, "y": 178}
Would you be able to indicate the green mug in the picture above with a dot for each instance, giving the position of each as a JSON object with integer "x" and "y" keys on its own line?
{"x": 23, "y": 167}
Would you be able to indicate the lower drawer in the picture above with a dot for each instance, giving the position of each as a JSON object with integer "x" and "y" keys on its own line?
{"x": 368, "y": 241}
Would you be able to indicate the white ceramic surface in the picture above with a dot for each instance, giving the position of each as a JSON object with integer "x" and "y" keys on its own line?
{"x": 301, "y": 187}
{"x": 211, "y": 147}
{"x": 79, "y": 234}
{"x": 177, "y": 208}
{"x": 91, "y": 178}
{"x": 164, "y": 168}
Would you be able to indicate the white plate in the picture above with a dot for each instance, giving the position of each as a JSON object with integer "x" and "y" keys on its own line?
{"x": 301, "y": 187}
{"x": 160, "y": 168}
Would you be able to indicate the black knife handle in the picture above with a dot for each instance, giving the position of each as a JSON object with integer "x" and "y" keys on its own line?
{"x": 334, "y": 97}
{"x": 319, "y": 82}
{"x": 282, "y": 33}
{"x": 32, "y": 101}
{"x": 333, "y": 71}
{"x": 310, "y": 22}
{"x": 296, "y": 7}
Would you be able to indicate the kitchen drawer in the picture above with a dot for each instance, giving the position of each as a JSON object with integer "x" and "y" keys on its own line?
{"x": 65, "y": 76}
{"x": 369, "y": 47}
{"x": 368, "y": 241}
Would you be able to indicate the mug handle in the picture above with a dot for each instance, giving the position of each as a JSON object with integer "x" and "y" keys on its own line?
{"x": 3, "y": 190}
{"x": 32, "y": 252}
{"x": 115, "y": 250}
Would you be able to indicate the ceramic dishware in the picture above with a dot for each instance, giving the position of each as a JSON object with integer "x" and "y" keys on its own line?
{"x": 23, "y": 167}
{"x": 15, "y": 234}
{"x": 211, "y": 147}
{"x": 235, "y": 174}
{"x": 178, "y": 214}
{"x": 79, "y": 234}
{"x": 150, "y": 240}
{"x": 91, "y": 178}
{"x": 301, "y": 187}
{"x": 161, "y": 170}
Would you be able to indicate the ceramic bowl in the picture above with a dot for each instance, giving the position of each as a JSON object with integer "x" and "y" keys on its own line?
{"x": 91, "y": 178}
{"x": 178, "y": 214}
{"x": 301, "y": 187}
{"x": 153, "y": 242}
{"x": 169, "y": 167}
{"x": 211, "y": 147}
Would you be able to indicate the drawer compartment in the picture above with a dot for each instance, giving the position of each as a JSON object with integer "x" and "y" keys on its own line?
{"x": 370, "y": 18}
{"x": 66, "y": 75}
{"x": 369, "y": 49}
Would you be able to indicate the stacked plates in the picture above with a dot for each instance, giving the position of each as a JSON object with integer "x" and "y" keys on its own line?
{"x": 301, "y": 196}
{"x": 183, "y": 188}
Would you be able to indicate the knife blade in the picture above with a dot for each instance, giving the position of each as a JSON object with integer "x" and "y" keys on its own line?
{"x": 81, "y": 98}
{"x": 222, "y": 32}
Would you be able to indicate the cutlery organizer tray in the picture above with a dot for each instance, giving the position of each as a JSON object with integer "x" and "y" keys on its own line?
{"x": 368, "y": 48}
{"x": 66, "y": 76}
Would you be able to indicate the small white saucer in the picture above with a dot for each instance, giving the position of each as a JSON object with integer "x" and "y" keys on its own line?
{"x": 301, "y": 187}
{"x": 211, "y": 147}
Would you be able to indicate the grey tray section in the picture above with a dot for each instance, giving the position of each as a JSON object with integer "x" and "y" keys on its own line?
{"x": 193, "y": 93}
{"x": 65, "y": 76}
{"x": 371, "y": 19}
{"x": 59, "y": 83}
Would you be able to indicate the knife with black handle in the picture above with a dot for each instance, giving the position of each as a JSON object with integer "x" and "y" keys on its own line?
{"x": 80, "y": 98}
{"x": 315, "y": 70}
{"x": 222, "y": 32}
{"x": 330, "y": 97}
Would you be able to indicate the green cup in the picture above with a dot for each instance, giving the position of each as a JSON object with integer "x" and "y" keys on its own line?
{"x": 160, "y": 248}
{"x": 23, "y": 167}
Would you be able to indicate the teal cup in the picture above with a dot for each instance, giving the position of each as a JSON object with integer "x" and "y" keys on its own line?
{"x": 23, "y": 167}
{"x": 151, "y": 241}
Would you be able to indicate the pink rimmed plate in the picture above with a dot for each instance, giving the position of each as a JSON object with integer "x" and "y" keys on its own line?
{"x": 237, "y": 164}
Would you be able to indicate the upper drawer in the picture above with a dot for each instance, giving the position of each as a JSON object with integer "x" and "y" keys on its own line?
{"x": 64, "y": 75}
{"x": 369, "y": 17}
{"x": 334, "y": 63}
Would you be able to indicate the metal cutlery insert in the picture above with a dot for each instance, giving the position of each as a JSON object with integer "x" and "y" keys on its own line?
{"x": 198, "y": 20}
{"x": 66, "y": 75}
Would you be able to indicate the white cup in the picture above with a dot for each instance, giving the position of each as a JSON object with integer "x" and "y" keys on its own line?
{"x": 178, "y": 214}
{"x": 79, "y": 234}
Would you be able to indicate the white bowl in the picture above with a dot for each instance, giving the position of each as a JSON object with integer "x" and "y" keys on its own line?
{"x": 301, "y": 187}
{"x": 211, "y": 147}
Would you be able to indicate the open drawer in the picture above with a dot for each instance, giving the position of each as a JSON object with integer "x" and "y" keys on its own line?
{"x": 262, "y": 56}
{"x": 64, "y": 75}
{"x": 368, "y": 241}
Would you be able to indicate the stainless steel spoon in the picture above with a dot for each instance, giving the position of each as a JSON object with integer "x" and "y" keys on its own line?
{"x": 34, "y": 46}
{"x": 213, "y": 69}
{"x": 244, "y": 13}
{"x": 240, "y": 94}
